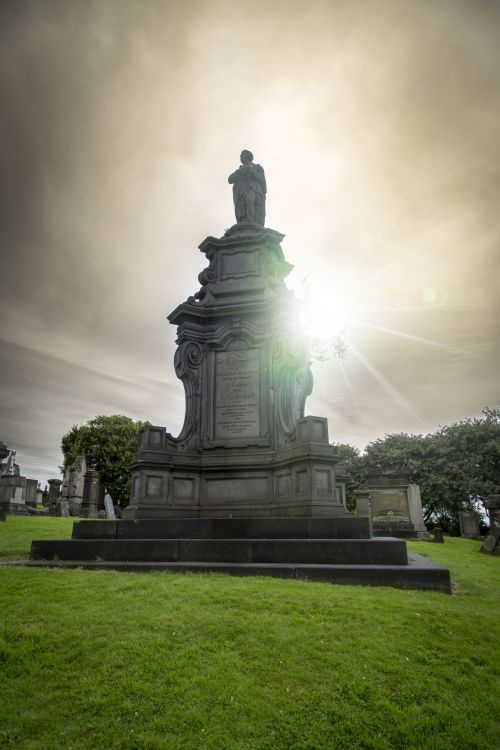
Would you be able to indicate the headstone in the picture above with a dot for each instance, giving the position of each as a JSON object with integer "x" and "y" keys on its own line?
{"x": 57, "y": 506}
{"x": 469, "y": 525}
{"x": 109, "y": 508}
{"x": 491, "y": 544}
{"x": 62, "y": 508}
{"x": 90, "y": 502}
{"x": 415, "y": 509}
{"x": 31, "y": 492}
{"x": 340, "y": 483}
{"x": 438, "y": 536}
{"x": 72, "y": 488}
{"x": 396, "y": 504}
{"x": 363, "y": 505}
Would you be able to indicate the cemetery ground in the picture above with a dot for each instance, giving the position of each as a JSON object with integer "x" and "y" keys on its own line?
{"x": 201, "y": 662}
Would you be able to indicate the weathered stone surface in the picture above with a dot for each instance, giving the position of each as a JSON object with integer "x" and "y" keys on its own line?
{"x": 249, "y": 486}
{"x": 320, "y": 551}
{"x": 491, "y": 544}
{"x": 109, "y": 508}
{"x": 90, "y": 502}
{"x": 395, "y": 505}
{"x": 13, "y": 494}
{"x": 469, "y": 525}
{"x": 72, "y": 487}
{"x": 226, "y": 528}
{"x": 246, "y": 448}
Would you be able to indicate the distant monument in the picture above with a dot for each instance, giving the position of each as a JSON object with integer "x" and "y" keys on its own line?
{"x": 17, "y": 494}
{"x": 249, "y": 190}
{"x": 73, "y": 484}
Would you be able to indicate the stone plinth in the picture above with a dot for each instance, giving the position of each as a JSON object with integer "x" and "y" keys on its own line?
{"x": 336, "y": 550}
{"x": 246, "y": 448}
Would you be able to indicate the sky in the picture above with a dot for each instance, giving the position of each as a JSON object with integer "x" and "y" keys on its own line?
{"x": 378, "y": 126}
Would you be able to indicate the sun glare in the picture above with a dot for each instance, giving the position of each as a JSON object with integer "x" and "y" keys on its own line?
{"x": 324, "y": 313}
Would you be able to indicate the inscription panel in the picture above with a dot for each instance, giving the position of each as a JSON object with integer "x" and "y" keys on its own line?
{"x": 237, "y": 394}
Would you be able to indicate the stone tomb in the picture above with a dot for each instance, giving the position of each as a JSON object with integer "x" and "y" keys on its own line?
{"x": 249, "y": 485}
{"x": 396, "y": 505}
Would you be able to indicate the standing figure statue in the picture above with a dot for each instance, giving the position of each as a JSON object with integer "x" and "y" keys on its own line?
{"x": 10, "y": 469}
{"x": 249, "y": 190}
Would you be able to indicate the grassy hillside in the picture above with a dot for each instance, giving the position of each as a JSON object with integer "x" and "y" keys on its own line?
{"x": 208, "y": 662}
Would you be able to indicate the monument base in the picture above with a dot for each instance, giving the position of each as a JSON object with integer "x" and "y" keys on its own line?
{"x": 169, "y": 481}
{"x": 338, "y": 550}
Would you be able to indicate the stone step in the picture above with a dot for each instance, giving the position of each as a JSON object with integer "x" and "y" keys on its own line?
{"x": 226, "y": 528}
{"x": 420, "y": 573}
{"x": 382, "y": 551}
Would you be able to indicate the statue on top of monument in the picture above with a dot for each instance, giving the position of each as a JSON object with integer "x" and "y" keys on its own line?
{"x": 10, "y": 467}
{"x": 249, "y": 190}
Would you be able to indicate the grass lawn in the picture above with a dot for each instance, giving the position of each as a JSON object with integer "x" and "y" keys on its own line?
{"x": 197, "y": 662}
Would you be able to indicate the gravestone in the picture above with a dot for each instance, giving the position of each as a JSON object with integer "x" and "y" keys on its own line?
{"x": 363, "y": 506}
{"x": 90, "y": 502}
{"x": 58, "y": 506}
{"x": 109, "y": 507}
{"x": 396, "y": 504}
{"x": 72, "y": 488}
{"x": 491, "y": 544}
{"x": 437, "y": 536}
{"x": 469, "y": 525}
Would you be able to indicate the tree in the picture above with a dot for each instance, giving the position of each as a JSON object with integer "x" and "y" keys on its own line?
{"x": 109, "y": 444}
{"x": 351, "y": 461}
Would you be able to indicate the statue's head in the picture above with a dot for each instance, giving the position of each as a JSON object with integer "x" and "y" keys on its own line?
{"x": 246, "y": 156}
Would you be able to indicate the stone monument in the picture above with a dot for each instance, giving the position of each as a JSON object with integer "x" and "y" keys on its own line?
{"x": 469, "y": 525}
{"x": 17, "y": 493}
{"x": 246, "y": 449}
{"x": 92, "y": 492}
{"x": 396, "y": 505}
{"x": 72, "y": 488}
{"x": 491, "y": 544}
{"x": 249, "y": 485}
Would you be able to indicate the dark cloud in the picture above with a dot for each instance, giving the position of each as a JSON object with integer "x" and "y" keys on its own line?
{"x": 378, "y": 128}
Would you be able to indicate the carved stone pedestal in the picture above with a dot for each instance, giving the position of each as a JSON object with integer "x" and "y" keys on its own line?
{"x": 245, "y": 449}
